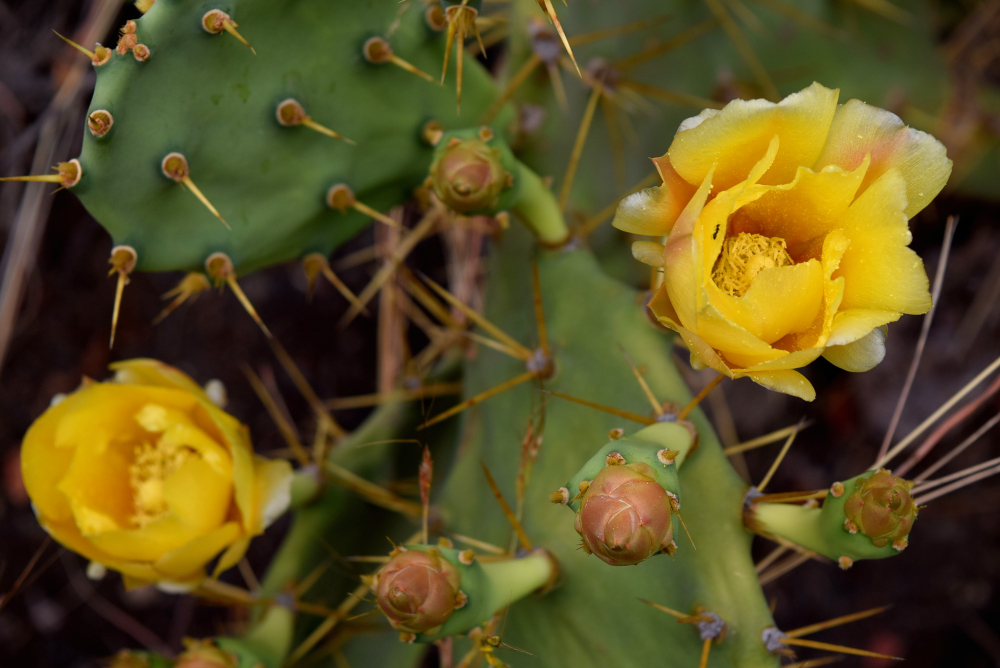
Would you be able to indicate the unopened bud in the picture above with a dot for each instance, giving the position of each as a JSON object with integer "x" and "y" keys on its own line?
{"x": 418, "y": 590}
{"x": 624, "y": 516}
{"x": 467, "y": 176}
{"x": 204, "y": 654}
{"x": 881, "y": 508}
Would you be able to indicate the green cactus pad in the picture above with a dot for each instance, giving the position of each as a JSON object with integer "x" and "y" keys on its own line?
{"x": 211, "y": 99}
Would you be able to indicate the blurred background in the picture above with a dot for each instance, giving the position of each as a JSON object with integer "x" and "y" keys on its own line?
{"x": 55, "y": 305}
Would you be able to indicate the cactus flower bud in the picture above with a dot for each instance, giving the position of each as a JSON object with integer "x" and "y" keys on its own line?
{"x": 418, "y": 590}
{"x": 624, "y": 516}
{"x": 468, "y": 176}
{"x": 881, "y": 508}
{"x": 204, "y": 654}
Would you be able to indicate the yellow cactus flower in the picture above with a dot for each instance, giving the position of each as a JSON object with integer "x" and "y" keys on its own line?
{"x": 787, "y": 234}
{"x": 146, "y": 476}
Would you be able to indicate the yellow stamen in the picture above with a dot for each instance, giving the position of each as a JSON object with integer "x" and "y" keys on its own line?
{"x": 153, "y": 464}
{"x": 745, "y": 256}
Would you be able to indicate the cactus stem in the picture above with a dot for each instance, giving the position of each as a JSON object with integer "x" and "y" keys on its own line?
{"x": 676, "y": 511}
{"x": 479, "y": 398}
{"x": 366, "y": 400}
{"x": 705, "y": 391}
{"x": 99, "y": 122}
{"x": 141, "y": 52}
{"x": 706, "y": 648}
{"x": 841, "y": 649}
{"x": 780, "y": 458}
{"x": 322, "y": 415}
{"x": 175, "y": 167}
{"x": 634, "y": 26}
{"x": 837, "y": 621}
{"x": 328, "y": 624}
{"x": 646, "y": 390}
{"x": 394, "y": 262}
{"x": 316, "y": 264}
{"x": 745, "y": 49}
{"x": 660, "y": 48}
{"x": 607, "y": 212}
{"x": 378, "y": 51}
{"x": 425, "y": 478}
{"x": 791, "y": 497}
{"x": 679, "y": 99}
{"x": 936, "y": 415}
{"x": 547, "y": 7}
{"x": 285, "y": 428}
{"x": 189, "y": 287}
{"x": 122, "y": 261}
{"x": 634, "y": 417}
{"x": 216, "y": 22}
{"x": 766, "y": 439}
{"x": 290, "y": 113}
{"x": 663, "y": 608}
{"x": 581, "y": 140}
{"x": 68, "y": 175}
{"x": 515, "y": 524}
{"x": 374, "y": 494}
{"x": 483, "y": 323}
{"x": 220, "y": 269}
{"x": 435, "y": 18}
{"x": 536, "y": 289}
{"x": 513, "y": 85}
{"x": 480, "y": 544}
{"x": 341, "y": 197}
{"x": 99, "y": 56}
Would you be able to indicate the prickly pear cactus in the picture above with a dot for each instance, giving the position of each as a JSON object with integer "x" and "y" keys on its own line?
{"x": 556, "y": 512}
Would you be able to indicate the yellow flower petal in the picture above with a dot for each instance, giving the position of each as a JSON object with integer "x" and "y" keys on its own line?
{"x": 879, "y": 270}
{"x": 780, "y": 301}
{"x": 653, "y": 211}
{"x": 682, "y": 263}
{"x": 737, "y": 137}
{"x": 198, "y": 495}
{"x": 231, "y": 556}
{"x": 189, "y": 560}
{"x": 97, "y": 483}
{"x": 804, "y": 209}
{"x": 859, "y": 130}
{"x": 273, "y": 491}
{"x": 862, "y": 355}
{"x": 787, "y": 382}
{"x": 853, "y": 324}
{"x": 147, "y": 543}
{"x": 153, "y": 373}
{"x": 43, "y": 466}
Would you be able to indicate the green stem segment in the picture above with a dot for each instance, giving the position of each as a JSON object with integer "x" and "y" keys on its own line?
{"x": 491, "y": 586}
{"x": 538, "y": 209}
{"x": 823, "y": 530}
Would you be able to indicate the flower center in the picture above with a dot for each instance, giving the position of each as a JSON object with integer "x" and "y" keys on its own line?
{"x": 153, "y": 464}
{"x": 743, "y": 257}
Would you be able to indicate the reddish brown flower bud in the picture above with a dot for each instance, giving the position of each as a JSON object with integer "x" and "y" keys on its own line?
{"x": 468, "y": 176}
{"x": 881, "y": 508}
{"x": 624, "y": 516}
{"x": 418, "y": 590}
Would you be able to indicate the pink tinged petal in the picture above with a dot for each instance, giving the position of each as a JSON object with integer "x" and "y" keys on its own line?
{"x": 786, "y": 382}
{"x": 879, "y": 270}
{"x": 738, "y": 136}
{"x": 653, "y": 211}
{"x": 805, "y": 209}
{"x": 859, "y": 130}
{"x": 862, "y": 355}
